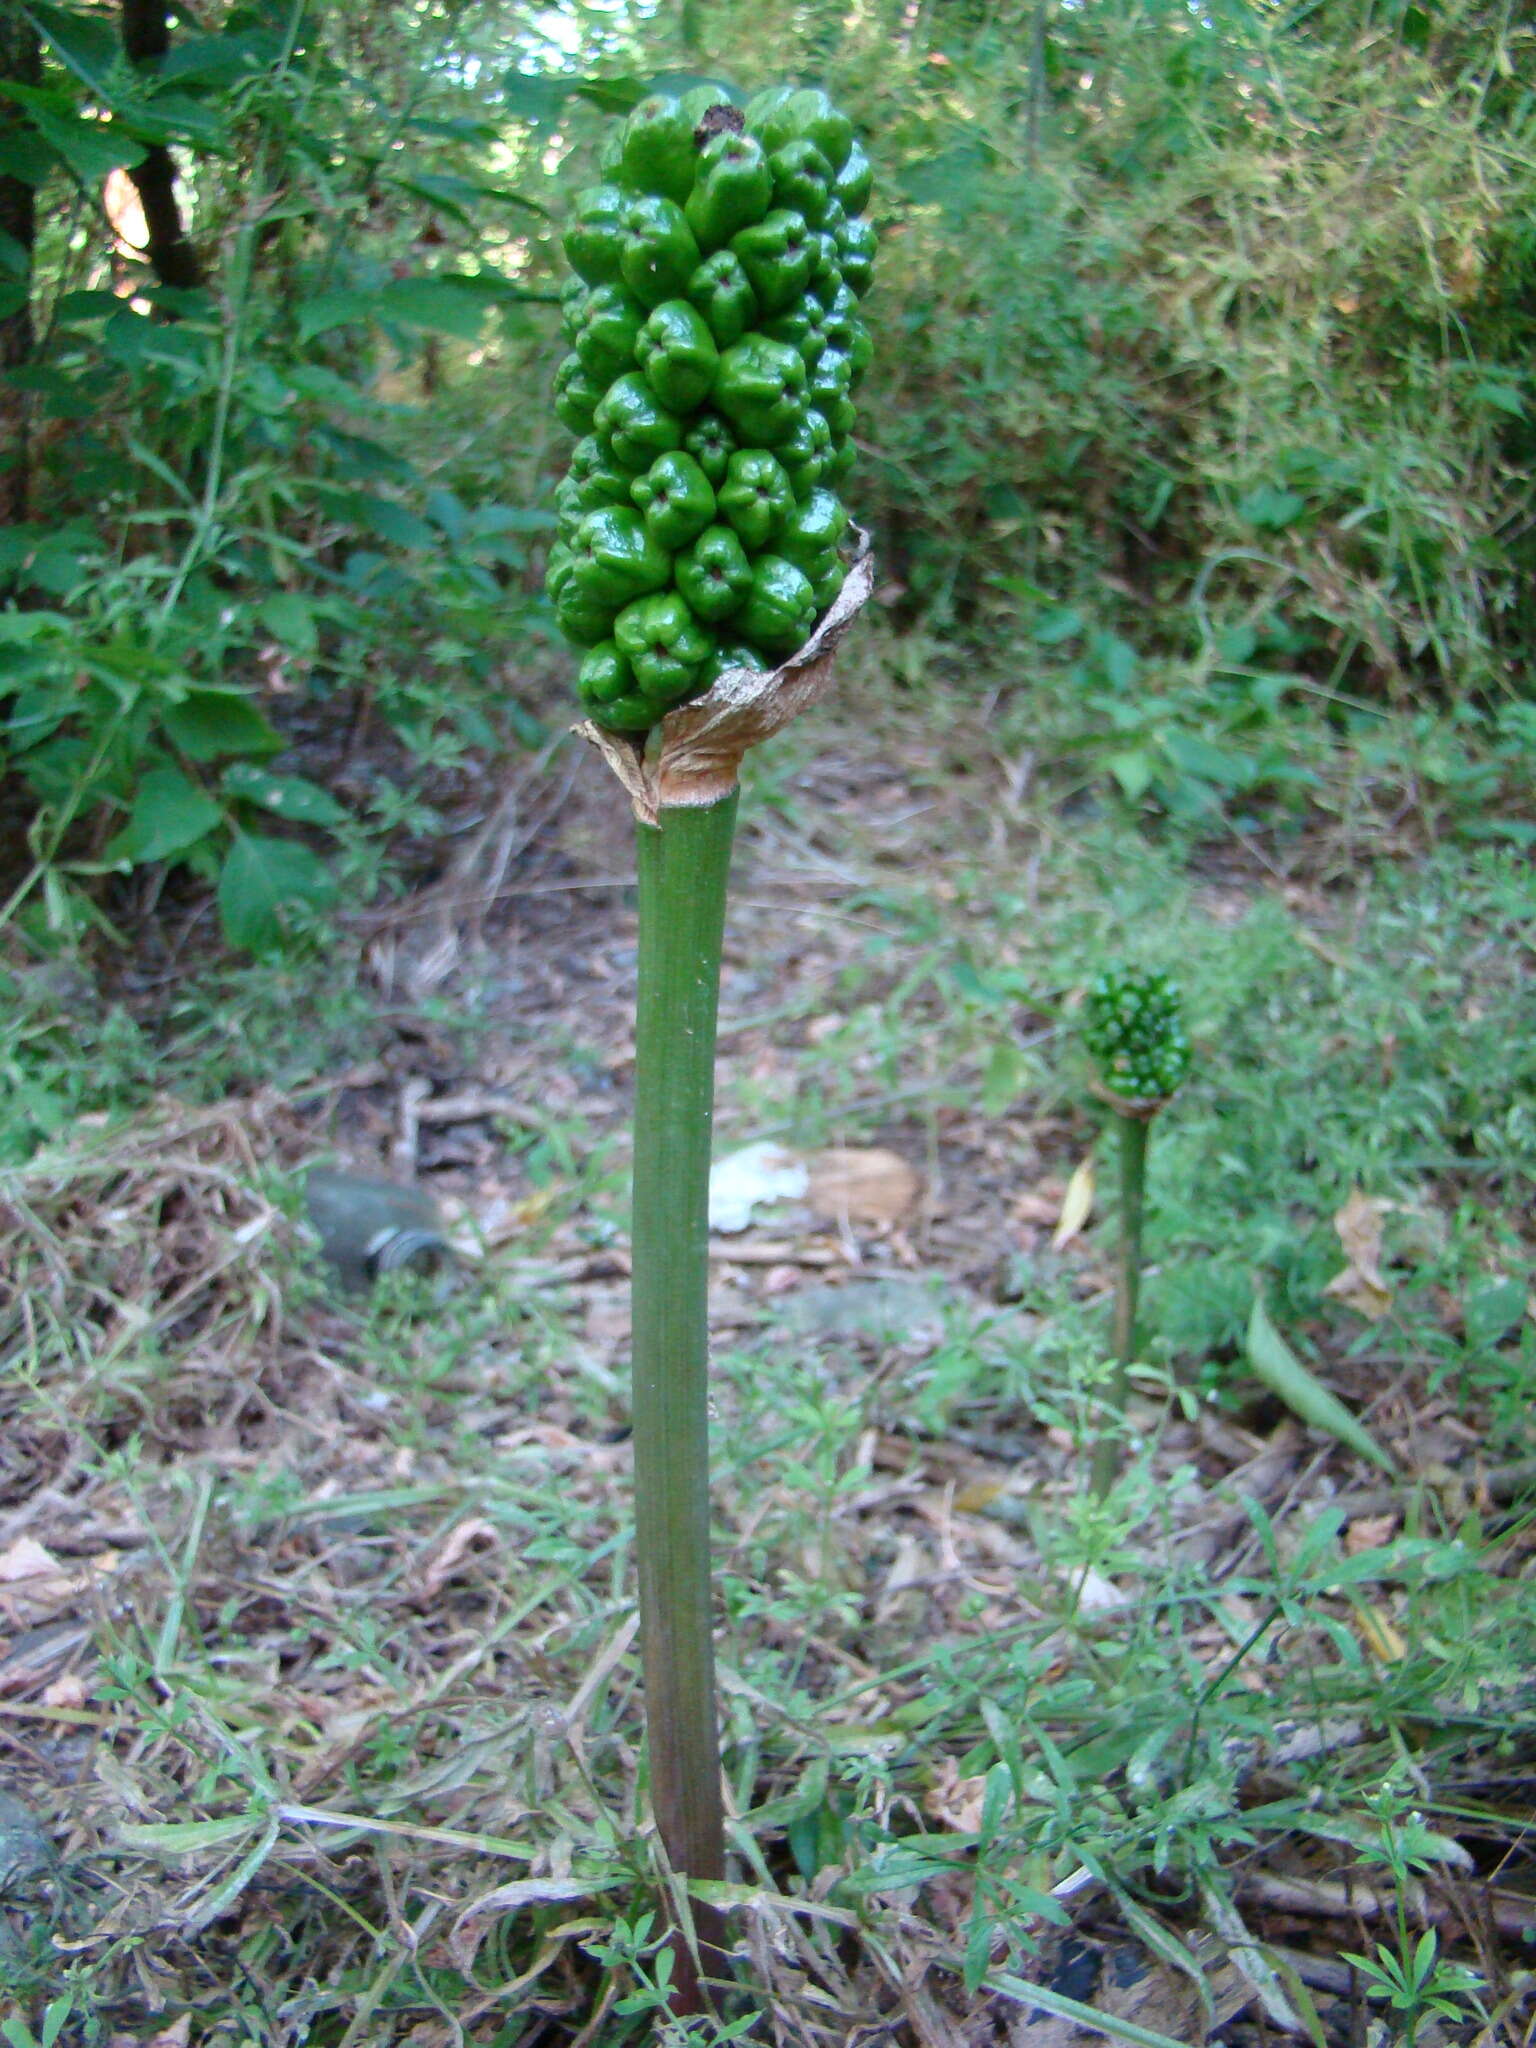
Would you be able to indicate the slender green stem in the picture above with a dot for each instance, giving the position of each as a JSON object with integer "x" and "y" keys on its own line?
{"x": 683, "y": 866}
{"x": 1134, "y": 1132}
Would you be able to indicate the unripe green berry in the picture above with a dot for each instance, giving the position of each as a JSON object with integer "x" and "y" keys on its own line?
{"x": 1133, "y": 1026}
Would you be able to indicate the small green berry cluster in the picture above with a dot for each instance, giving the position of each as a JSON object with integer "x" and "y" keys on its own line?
{"x": 1133, "y": 1025}
{"x": 715, "y": 344}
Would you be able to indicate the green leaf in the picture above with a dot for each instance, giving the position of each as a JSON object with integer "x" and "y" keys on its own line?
{"x": 285, "y": 796}
{"x": 188, "y": 1837}
{"x": 1505, "y": 398}
{"x": 288, "y": 617}
{"x": 1062, "y": 623}
{"x": 1271, "y": 508}
{"x": 1492, "y": 1312}
{"x": 464, "y": 195}
{"x": 1117, "y": 659}
{"x": 612, "y": 95}
{"x": 1192, "y": 755}
{"x": 169, "y": 814}
{"x": 83, "y": 43}
{"x": 24, "y": 155}
{"x": 1003, "y": 1082}
{"x": 16, "y": 626}
{"x": 207, "y": 723}
{"x": 534, "y": 97}
{"x": 1275, "y": 1365}
{"x": 90, "y": 148}
{"x": 74, "y": 307}
{"x": 389, "y": 521}
{"x": 222, "y": 59}
{"x": 334, "y": 309}
{"x": 1134, "y": 772}
{"x": 259, "y": 879}
{"x": 442, "y": 305}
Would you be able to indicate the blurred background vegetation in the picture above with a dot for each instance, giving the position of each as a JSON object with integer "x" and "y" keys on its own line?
{"x": 1200, "y": 422}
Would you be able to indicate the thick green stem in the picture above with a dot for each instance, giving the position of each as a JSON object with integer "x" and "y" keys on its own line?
{"x": 683, "y": 866}
{"x": 1134, "y": 1132}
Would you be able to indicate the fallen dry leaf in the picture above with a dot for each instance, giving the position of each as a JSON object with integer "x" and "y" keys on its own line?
{"x": 35, "y": 1586}
{"x": 1076, "y": 1206}
{"x": 859, "y": 1186}
{"x": 954, "y": 1800}
{"x": 1370, "y": 1532}
{"x": 68, "y": 1691}
{"x": 1360, "y": 1286}
{"x": 176, "y": 2035}
{"x": 439, "y": 1569}
{"x": 1381, "y": 1635}
{"x": 911, "y": 1563}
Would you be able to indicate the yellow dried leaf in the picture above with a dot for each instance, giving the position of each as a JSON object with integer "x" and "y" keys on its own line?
{"x": 1379, "y": 1635}
{"x": 1076, "y": 1205}
{"x": 1361, "y": 1286}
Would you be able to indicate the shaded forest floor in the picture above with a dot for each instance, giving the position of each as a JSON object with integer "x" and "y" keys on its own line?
{"x": 318, "y": 1679}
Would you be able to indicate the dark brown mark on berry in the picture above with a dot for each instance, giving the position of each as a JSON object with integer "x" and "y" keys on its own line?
{"x": 719, "y": 120}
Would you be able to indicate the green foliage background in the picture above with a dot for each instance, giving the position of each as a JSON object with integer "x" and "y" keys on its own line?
{"x": 1203, "y": 390}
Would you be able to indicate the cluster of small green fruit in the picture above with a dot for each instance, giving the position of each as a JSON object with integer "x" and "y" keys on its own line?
{"x": 715, "y": 344}
{"x": 1133, "y": 1025}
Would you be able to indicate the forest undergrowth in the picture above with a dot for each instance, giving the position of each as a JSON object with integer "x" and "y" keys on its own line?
{"x": 318, "y": 1687}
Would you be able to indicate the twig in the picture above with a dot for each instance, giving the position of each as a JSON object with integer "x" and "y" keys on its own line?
{"x": 1506, "y": 1911}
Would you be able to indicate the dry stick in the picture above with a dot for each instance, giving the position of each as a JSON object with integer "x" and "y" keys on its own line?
{"x": 1134, "y": 1131}
{"x": 684, "y": 861}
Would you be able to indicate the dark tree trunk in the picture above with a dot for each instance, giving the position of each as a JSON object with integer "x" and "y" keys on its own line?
{"x": 145, "y": 37}
{"x": 21, "y": 63}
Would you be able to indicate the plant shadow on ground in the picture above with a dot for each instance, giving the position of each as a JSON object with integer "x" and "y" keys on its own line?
{"x": 318, "y": 1684}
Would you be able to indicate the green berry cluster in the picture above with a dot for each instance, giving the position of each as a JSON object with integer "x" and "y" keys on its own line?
{"x": 715, "y": 344}
{"x": 1133, "y": 1025}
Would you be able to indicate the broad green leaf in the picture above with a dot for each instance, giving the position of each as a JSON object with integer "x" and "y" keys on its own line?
{"x": 1270, "y": 508}
{"x": 90, "y": 148}
{"x": 25, "y": 156}
{"x": 222, "y": 59}
{"x": 1063, "y": 622}
{"x": 1133, "y": 771}
{"x": 335, "y": 309}
{"x": 391, "y": 522}
{"x": 31, "y": 625}
{"x": 1192, "y": 755}
{"x": 442, "y": 305}
{"x": 285, "y": 796}
{"x": 83, "y": 43}
{"x": 1493, "y": 1311}
{"x": 169, "y": 814}
{"x": 259, "y": 879}
{"x": 1505, "y": 398}
{"x": 74, "y": 307}
{"x": 207, "y": 723}
{"x": 1003, "y": 1082}
{"x": 289, "y": 618}
{"x": 534, "y": 97}
{"x": 612, "y": 95}
{"x": 1117, "y": 660}
{"x": 1272, "y": 1362}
